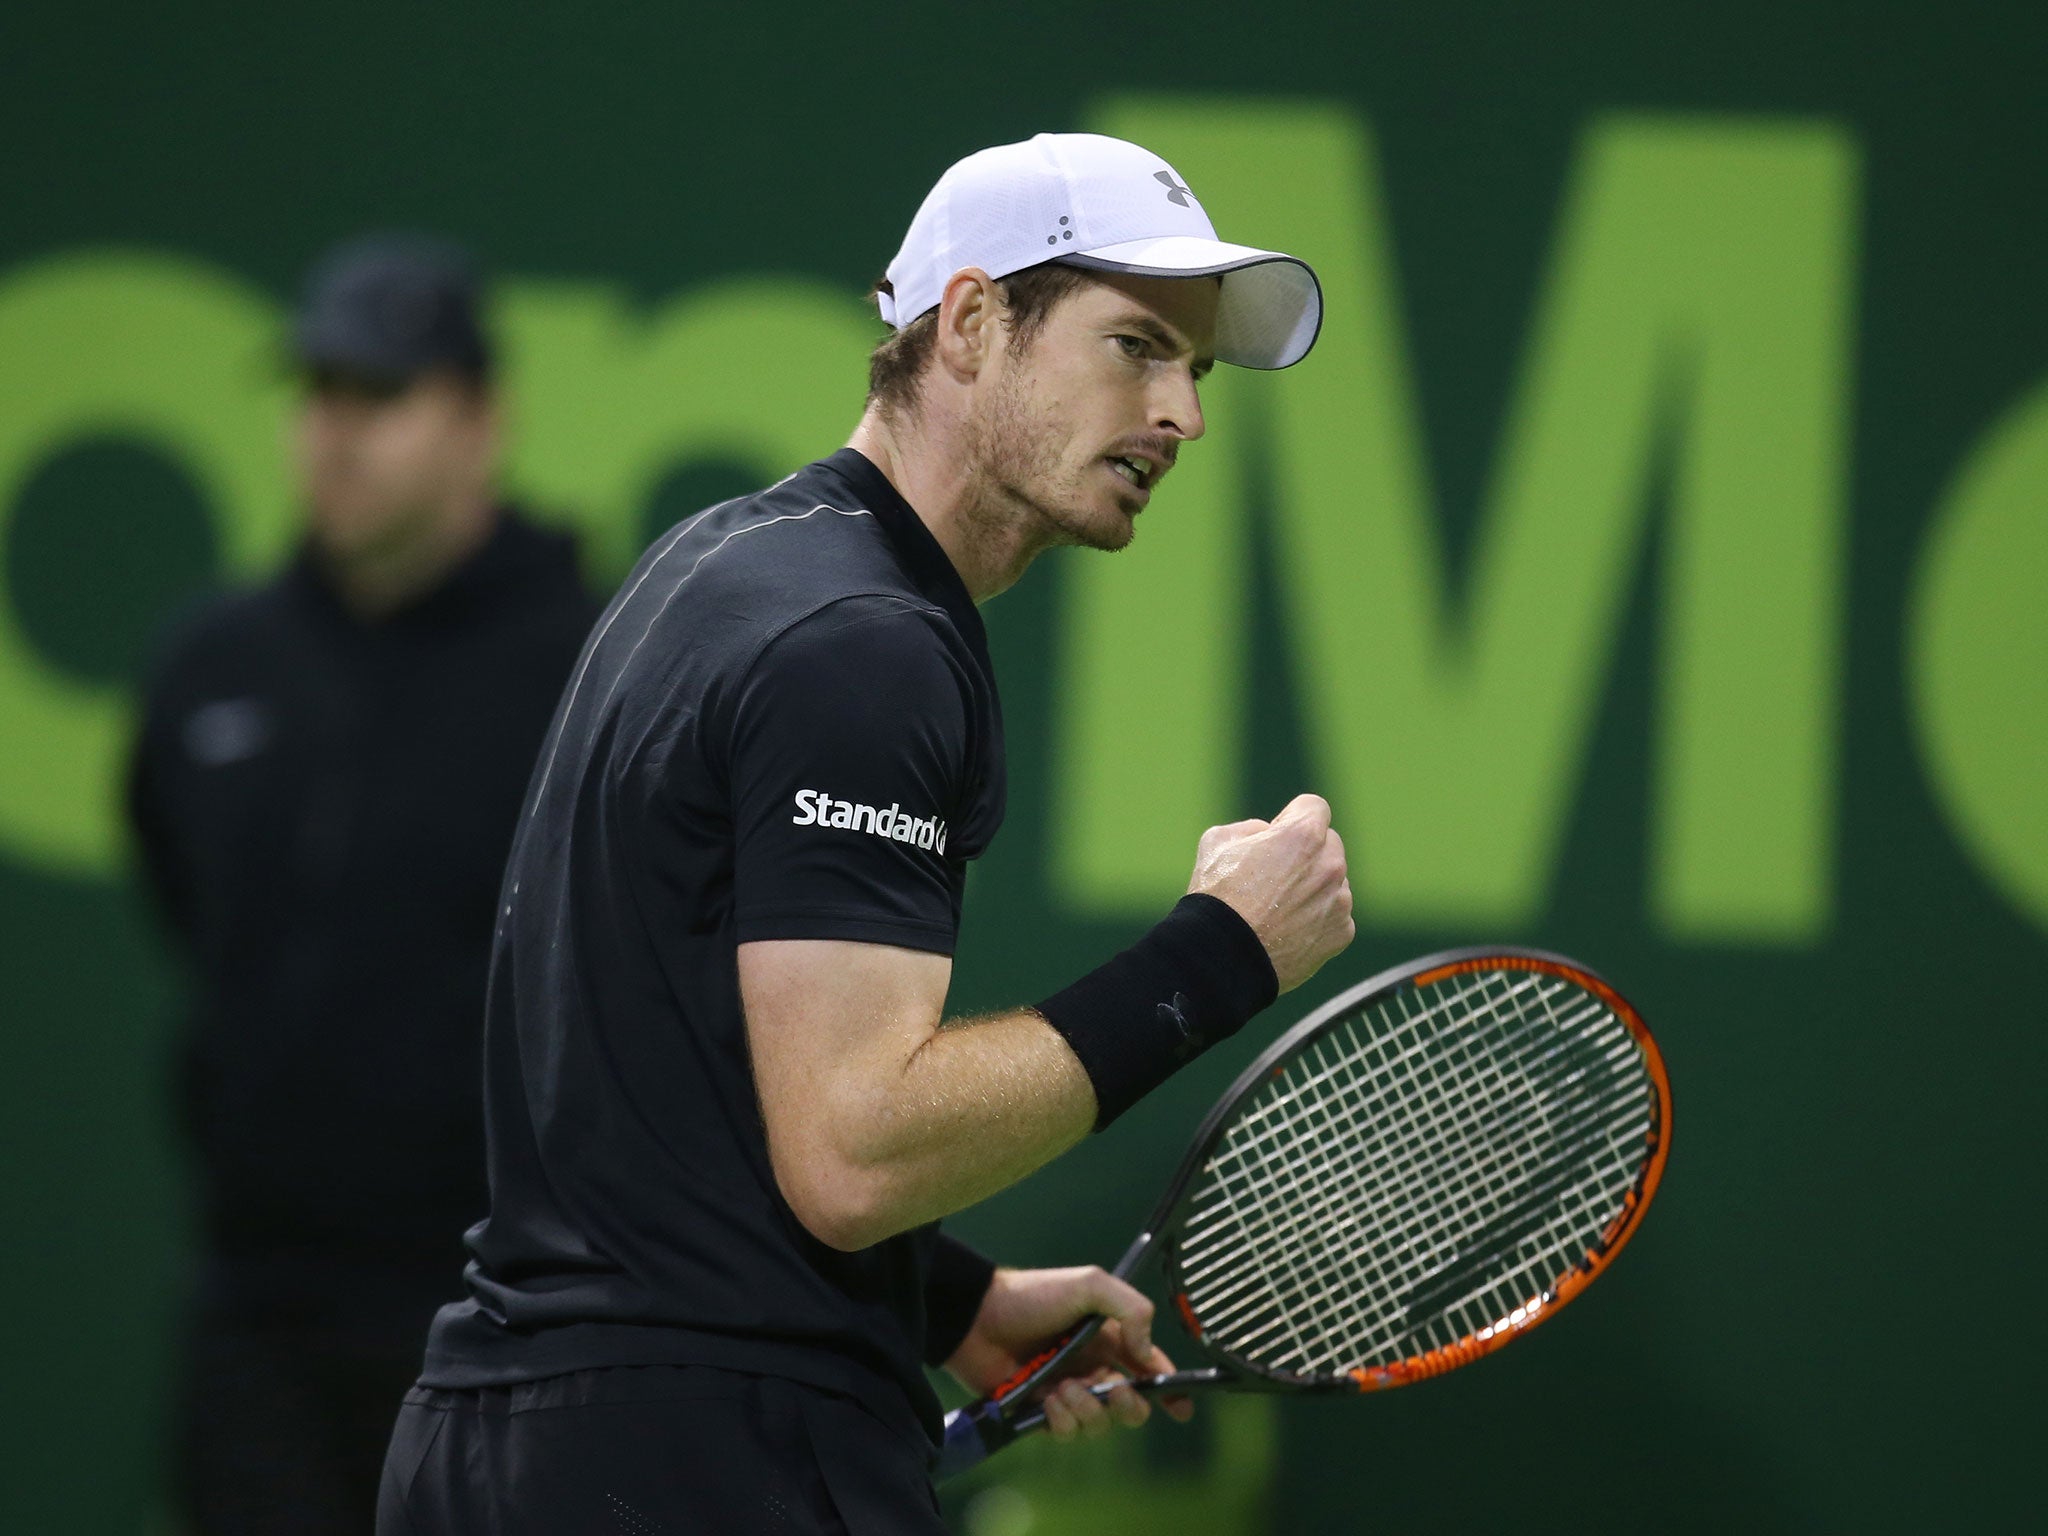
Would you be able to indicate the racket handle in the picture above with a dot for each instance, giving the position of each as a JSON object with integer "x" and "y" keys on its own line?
{"x": 978, "y": 1431}
{"x": 1169, "y": 1381}
{"x": 972, "y": 1435}
{"x": 981, "y": 1429}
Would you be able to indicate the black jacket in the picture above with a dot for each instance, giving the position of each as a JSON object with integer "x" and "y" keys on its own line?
{"x": 322, "y": 810}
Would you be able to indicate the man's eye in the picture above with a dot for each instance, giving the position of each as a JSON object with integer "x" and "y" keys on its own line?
{"x": 1131, "y": 345}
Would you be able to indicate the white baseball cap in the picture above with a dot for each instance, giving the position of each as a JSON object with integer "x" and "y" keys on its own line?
{"x": 1090, "y": 201}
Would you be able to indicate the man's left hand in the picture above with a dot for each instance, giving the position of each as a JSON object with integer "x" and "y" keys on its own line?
{"x": 1025, "y": 1310}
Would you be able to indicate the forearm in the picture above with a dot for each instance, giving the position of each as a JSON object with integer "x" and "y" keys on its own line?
{"x": 980, "y": 1104}
{"x": 914, "y": 1120}
{"x": 983, "y": 1102}
{"x": 880, "y": 1117}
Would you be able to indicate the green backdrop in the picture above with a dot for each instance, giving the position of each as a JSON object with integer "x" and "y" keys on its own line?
{"x": 1648, "y": 564}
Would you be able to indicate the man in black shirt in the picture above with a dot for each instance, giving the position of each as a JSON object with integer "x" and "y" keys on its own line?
{"x": 323, "y": 795}
{"x": 725, "y": 1115}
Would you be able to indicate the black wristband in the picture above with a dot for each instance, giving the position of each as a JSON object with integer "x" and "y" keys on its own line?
{"x": 954, "y": 1283}
{"x": 1193, "y": 980}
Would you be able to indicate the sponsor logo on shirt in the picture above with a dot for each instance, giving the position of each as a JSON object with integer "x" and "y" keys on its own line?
{"x": 815, "y": 808}
{"x": 227, "y": 731}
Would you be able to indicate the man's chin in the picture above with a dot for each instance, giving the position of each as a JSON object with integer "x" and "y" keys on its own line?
{"x": 1116, "y": 537}
{"x": 1109, "y": 528}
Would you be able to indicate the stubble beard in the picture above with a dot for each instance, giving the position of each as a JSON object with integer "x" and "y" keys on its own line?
{"x": 1017, "y": 456}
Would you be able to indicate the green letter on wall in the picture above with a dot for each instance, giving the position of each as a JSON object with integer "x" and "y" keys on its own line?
{"x": 605, "y": 397}
{"x": 1977, "y": 647}
{"x": 1698, "y": 296}
{"x": 152, "y": 347}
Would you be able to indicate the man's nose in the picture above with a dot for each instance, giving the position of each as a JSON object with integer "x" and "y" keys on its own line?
{"x": 1179, "y": 409}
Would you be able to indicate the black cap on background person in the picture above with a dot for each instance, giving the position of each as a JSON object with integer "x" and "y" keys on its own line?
{"x": 384, "y": 309}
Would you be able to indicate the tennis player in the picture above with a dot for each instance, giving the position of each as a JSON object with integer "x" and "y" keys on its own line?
{"x": 726, "y": 1112}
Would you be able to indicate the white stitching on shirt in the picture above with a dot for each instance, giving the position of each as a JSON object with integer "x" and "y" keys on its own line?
{"x": 674, "y": 539}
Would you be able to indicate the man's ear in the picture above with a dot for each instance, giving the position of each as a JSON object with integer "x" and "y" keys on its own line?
{"x": 970, "y": 311}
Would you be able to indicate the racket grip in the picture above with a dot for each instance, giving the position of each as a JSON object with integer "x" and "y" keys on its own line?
{"x": 972, "y": 1435}
{"x": 978, "y": 1431}
{"x": 1174, "y": 1381}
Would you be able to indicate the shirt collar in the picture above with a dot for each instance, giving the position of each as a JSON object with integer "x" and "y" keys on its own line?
{"x": 922, "y": 555}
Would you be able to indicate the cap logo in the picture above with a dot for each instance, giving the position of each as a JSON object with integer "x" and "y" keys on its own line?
{"x": 1175, "y": 192}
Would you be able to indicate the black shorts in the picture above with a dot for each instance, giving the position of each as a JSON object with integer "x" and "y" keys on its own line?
{"x": 651, "y": 1450}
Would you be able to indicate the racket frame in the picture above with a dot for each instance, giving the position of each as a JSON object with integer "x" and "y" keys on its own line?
{"x": 1162, "y": 1229}
{"x": 986, "y": 1426}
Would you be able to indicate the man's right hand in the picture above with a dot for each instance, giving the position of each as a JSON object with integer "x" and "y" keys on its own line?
{"x": 1286, "y": 877}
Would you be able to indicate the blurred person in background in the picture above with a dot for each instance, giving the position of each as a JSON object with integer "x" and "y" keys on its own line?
{"x": 323, "y": 793}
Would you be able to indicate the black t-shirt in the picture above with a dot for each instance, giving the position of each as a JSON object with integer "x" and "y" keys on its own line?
{"x": 784, "y": 727}
{"x": 322, "y": 810}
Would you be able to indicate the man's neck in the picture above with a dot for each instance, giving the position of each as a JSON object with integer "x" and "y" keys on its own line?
{"x": 376, "y": 582}
{"x": 989, "y": 537}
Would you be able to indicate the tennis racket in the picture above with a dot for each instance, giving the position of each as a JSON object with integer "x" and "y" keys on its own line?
{"x": 1423, "y": 1169}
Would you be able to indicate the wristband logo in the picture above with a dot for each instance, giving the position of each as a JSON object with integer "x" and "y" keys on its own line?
{"x": 815, "y": 808}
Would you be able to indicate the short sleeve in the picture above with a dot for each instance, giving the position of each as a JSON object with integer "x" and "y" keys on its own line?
{"x": 955, "y": 1284}
{"x": 849, "y": 748}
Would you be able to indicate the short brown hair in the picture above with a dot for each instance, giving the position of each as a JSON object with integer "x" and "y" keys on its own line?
{"x": 899, "y": 362}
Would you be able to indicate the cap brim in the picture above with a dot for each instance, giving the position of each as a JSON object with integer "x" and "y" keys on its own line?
{"x": 1271, "y": 308}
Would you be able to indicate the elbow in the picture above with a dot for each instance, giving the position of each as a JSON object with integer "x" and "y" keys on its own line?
{"x": 848, "y": 1232}
{"x": 842, "y": 1206}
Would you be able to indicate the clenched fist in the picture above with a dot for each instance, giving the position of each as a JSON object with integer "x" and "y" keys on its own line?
{"x": 1286, "y": 877}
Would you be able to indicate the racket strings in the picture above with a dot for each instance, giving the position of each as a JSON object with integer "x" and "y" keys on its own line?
{"x": 1427, "y": 1239}
{"x": 1383, "y": 1297}
{"x": 1401, "y": 1166}
{"x": 1417, "y": 1173}
{"x": 1294, "y": 1130}
{"x": 1580, "y": 1125}
{"x": 1317, "y": 1162}
{"x": 1358, "y": 1294}
{"x": 1357, "y": 1288}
